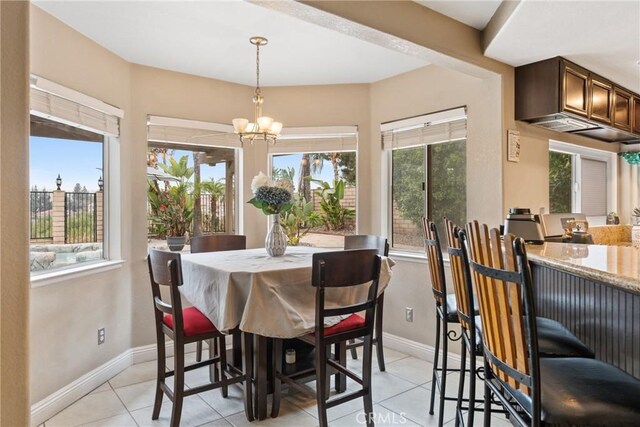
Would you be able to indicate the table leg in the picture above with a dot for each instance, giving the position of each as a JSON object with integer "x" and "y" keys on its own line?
{"x": 261, "y": 380}
{"x": 237, "y": 350}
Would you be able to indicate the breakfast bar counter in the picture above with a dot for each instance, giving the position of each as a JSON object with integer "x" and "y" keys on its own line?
{"x": 594, "y": 290}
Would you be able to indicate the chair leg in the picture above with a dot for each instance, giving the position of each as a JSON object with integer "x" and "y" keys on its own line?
{"x": 213, "y": 368}
{"x": 276, "y": 368}
{"x": 443, "y": 376}
{"x": 160, "y": 377}
{"x": 341, "y": 357}
{"x": 321, "y": 385}
{"x": 472, "y": 386}
{"x": 354, "y": 353}
{"x": 248, "y": 375}
{"x": 223, "y": 365}
{"x": 378, "y": 334}
{"x": 366, "y": 381}
{"x": 199, "y": 351}
{"x": 487, "y": 395}
{"x": 463, "y": 365}
{"x": 178, "y": 385}
{"x": 435, "y": 366}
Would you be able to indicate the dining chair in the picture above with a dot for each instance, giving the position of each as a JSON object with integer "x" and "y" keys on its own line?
{"x": 446, "y": 314}
{"x": 185, "y": 326}
{"x": 216, "y": 243}
{"x": 330, "y": 271}
{"x": 537, "y": 390}
{"x": 365, "y": 241}
{"x": 554, "y": 339}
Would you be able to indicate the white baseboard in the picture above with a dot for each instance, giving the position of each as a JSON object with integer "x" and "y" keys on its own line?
{"x": 414, "y": 348}
{"x": 56, "y": 402}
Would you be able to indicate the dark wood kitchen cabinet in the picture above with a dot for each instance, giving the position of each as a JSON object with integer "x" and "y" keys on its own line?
{"x": 622, "y": 109}
{"x": 600, "y": 99}
{"x": 635, "y": 125}
{"x": 575, "y": 89}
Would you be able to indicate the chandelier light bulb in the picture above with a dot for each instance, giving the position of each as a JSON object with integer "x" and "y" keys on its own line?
{"x": 240, "y": 125}
{"x": 264, "y": 123}
{"x": 276, "y": 127}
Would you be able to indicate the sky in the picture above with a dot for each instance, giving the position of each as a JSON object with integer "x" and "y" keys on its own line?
{"x": 81, "y": 162}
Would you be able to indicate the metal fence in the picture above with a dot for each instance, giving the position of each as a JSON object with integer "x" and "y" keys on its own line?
{"x": 40, "y": 206}
{"x": 80, "y": 218}
{"x": 212, "y": 214}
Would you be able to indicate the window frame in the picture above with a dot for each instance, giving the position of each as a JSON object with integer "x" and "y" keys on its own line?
{"x": 111, "y": 175}
{"x": 577, "y": 153}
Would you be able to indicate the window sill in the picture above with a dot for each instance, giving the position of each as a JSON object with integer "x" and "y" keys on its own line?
{"x": 45, "y": 279}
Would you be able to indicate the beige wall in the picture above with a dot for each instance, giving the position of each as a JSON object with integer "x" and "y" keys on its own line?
{"x": 63, "y": 339}
{"x": 14, "y": 166}
{"x": 65, "y": 316}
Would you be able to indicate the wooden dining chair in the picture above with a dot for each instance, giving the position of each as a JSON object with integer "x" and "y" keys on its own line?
{"x": 537, "y": 390}
{"x": 365, "y": 241}
{"x": 217, "y": 243}
{"x": 332, "y": 270}
{"x": 446, "y": 314}
{"x": 185, "y": 326}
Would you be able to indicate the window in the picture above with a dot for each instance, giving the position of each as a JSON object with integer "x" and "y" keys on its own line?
{"x": 191, "y": 169}
{"x": 581, "y": 180}
{"x": 71, "y": 139}
{"x": 324, "y": 183}
{"x": 427, "y": 174}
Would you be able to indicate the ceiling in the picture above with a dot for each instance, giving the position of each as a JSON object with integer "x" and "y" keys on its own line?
{"x": 210, "y": 38}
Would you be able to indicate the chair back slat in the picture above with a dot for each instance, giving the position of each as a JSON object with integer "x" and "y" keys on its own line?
{"x": 501, "y": 304}
{"x": 218, "y": 242}
{"x": 165, "y": 270}
{"x": 434, "y": 261}
{"x": 345, "y": 269}
{"x": 461, "y": 276}
{"x": 367, "y": 241}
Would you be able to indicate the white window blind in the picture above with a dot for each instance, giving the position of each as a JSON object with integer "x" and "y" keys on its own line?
{"x": 316, "y": 139}
{"x": 192, "y": 132}
{"x": 443, "y": 126}
{"x": 55, "y": 102}
{"x": 593, "y": 187}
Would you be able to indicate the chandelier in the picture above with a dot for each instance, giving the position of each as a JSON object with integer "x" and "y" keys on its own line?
{"x": 262, "y": 127}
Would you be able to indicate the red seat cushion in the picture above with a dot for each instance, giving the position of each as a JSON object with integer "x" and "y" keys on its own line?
{"x": 352, "y": 322}
{"x": 194, "y": 321}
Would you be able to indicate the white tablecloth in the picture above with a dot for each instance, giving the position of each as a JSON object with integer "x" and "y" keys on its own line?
{"x": 267, "y": 296}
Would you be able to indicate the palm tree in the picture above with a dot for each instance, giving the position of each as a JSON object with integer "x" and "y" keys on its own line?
{"x": 217, "y": 190}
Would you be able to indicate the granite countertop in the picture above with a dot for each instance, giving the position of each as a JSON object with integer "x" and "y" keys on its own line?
{"x": 615, "y": 265}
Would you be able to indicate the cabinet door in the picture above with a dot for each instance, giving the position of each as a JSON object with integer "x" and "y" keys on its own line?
{"x": 636, "y": 115}
{"x": 575, "y": 92}
{"x": 621, "y": 109}
{"x": 600, "y": 100}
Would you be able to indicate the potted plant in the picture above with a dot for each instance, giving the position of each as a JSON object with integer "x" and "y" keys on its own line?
{"x": 272, "y": 199}
{"x": 173, "y": 207}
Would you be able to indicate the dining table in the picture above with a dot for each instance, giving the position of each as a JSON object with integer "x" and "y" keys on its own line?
{"x": 269, "y": 297}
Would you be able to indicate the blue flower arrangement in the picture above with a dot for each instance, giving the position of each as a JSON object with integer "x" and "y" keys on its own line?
{"x": 271, "y": 199}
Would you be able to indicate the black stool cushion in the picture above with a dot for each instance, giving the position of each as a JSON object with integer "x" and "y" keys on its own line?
{"x": 554, "y": 339}
{"x": 586, "y": 392}
{"x": 452, "y": 308}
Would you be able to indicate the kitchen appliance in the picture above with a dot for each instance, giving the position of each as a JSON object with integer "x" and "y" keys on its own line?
{"x": 555, "y": 224}
{"x": 576, "y": 232}
{"x": 522, "y": 223}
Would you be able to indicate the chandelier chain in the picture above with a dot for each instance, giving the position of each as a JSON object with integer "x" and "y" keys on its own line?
{"x": 258, "y": 68}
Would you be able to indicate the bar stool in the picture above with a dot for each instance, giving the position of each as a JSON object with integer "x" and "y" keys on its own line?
{"x": 554, "y": 339}
{"x": 446, "y": 313}
{"x": 537, "y": 390}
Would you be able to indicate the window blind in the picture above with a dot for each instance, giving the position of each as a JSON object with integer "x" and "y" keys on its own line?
{"x": 593, "y": 187}
{"x": 191, "y": 132}
{"x": 55, "y": 102}
{"x": 316, "y": 139}
{"x": 444, "y": 126}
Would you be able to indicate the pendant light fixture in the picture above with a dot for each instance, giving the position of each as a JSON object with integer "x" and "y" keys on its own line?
{"x": 262, "y": 127}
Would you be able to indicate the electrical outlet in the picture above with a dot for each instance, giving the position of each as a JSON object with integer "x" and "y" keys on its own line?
{"x": 408, "y": 314}
{"x": 101, "y": 336}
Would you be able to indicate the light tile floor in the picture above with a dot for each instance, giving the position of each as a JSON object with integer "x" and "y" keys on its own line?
{"x": 400, "y": 395}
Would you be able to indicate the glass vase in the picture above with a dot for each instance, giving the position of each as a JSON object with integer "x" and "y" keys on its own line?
{"x": 276, "y": 241}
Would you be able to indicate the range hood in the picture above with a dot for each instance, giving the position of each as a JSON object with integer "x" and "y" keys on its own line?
{"x": 559, "y": 95}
